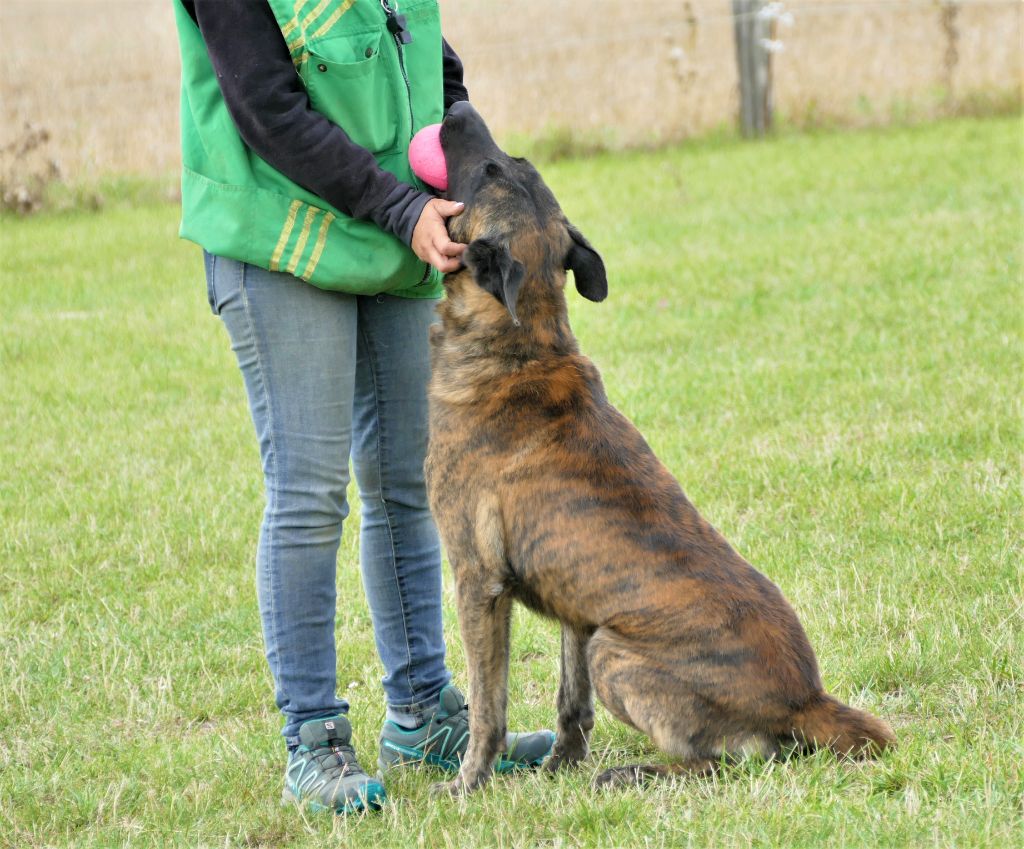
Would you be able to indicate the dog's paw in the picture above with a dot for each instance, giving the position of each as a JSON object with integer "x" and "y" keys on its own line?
{"x": 621, "y": 776}
{"x": 451, "y": 789}
{"x": 563, "y": 760}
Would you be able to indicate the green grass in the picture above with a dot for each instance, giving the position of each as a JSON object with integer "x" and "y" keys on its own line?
{"x": 820, "y": 335}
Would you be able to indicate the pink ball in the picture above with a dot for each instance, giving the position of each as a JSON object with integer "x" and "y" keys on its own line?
{"x": 427, "y": 158}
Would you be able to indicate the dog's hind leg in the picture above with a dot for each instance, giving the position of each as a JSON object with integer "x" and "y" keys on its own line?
{"x": 575, "y": 701}
{"x": 643, "y": 689}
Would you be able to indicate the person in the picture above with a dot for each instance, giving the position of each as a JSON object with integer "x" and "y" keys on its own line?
{"x": 323, "y": 257}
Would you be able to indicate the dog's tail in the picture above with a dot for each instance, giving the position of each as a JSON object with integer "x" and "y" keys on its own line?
{"x": 826, "y": 722}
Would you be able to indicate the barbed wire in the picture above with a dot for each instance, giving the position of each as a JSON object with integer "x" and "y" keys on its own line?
{"x": 33, "y": 6}
{"x": 786, "y": 14}
{"x": 681, "y": 27}
{"x": 10, "y": 10}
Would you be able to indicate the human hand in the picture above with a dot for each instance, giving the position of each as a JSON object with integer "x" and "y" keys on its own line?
{"x": 430, "y": 240}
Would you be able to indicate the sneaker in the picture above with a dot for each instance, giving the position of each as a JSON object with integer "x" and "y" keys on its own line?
{"x": 443, "y": 740}
{"x": 323, "y": 771}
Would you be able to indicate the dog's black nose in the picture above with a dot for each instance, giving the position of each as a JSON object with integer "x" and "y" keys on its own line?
{"x": 462, "y": 116}
{"x": 464, "y": 123}
{"x": 460, "y": 109}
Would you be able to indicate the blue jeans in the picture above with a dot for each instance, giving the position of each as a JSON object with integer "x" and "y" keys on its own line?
{"x": 331, "y": 375}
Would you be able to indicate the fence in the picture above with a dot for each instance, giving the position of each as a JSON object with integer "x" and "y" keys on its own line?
{"x": 102, "y": 75}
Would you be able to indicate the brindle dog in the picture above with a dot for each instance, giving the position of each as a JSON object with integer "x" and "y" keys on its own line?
{"x": 545, "y": 493}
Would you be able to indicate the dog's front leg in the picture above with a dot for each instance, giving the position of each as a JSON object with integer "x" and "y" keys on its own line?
{"x": 484, "y": 617}
{"x": 575, "y": 700}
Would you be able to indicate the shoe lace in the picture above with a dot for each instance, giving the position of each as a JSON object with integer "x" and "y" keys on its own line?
{"x": 336, "y": 761}
{"x": 459, "y": 723}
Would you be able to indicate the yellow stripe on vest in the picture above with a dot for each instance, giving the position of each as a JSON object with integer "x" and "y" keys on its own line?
{"x": 300, "y": 245}
{"x": 300, "y": 40}
{"x": 321, "y": 240}
{"x": 333, "y": 19}
{"x": 286, "y": 232}
{"x": 312, "y": 16}
{"x": 293, "y": 24}
{"x": 289, "y": 27}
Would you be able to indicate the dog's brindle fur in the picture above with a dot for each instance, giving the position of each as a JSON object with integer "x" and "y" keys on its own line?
{"x": 545, "y": 493}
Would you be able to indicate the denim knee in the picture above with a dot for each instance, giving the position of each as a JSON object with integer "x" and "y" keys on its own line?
{"x": 400, "y": 482}
{"x": 301, "y": 514}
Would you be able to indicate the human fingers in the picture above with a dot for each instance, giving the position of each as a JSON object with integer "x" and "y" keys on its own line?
{"x": 452, "y": 249}
{"x": 443, "y": 263}
{"x": 447, "y": 208}
{"x": 448, "y": 250}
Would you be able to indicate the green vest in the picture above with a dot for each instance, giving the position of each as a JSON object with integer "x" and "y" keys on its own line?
{"x": 362, "y": 78}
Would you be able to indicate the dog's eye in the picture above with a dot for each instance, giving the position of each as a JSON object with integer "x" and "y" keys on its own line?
{"x": 493, "y": 169}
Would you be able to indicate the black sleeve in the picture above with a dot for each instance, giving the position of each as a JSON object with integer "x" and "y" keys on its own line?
{"x": 270, "y": 108}
{"x": 454, "y": 87}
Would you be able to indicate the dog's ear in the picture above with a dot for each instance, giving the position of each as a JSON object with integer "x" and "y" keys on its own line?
{"x": 587, "y": 268}
{"x": 495, "y": 271}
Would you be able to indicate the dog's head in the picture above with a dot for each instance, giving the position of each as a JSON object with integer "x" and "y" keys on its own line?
{"x": 519, "y": 241}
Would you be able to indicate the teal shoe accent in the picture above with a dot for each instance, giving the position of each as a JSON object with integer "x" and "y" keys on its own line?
{"x": 324, "y": 774}
{"x": 444, "y": 738}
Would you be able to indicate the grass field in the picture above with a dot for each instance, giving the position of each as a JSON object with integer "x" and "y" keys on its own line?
{"x": 819, "y": 335}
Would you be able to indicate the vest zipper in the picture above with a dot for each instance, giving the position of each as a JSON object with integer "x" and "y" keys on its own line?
{"x": 402, "y": 36}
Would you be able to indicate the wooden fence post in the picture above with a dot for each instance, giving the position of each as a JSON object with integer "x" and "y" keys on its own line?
{"x": 753, "y": 32}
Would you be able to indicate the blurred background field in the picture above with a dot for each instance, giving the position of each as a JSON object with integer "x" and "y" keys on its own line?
{"x": 101, "y": 76}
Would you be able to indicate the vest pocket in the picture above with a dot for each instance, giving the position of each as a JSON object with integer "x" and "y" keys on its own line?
{"x": 358, "y": 96}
